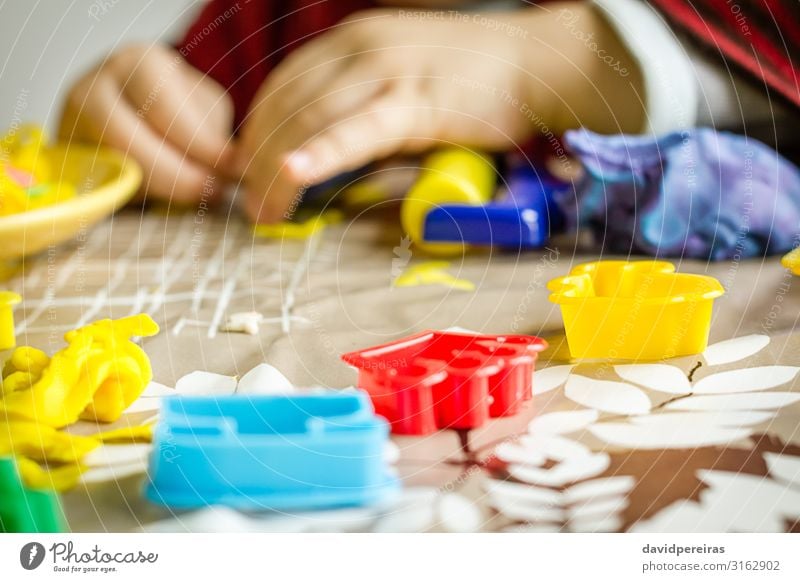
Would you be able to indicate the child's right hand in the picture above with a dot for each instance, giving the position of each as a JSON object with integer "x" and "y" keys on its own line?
{"x": 147, "y": 101}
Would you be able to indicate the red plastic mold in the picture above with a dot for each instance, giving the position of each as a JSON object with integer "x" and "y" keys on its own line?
{"x": 438, "y": 379}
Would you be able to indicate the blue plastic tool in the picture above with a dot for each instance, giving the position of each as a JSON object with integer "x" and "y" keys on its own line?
{"x": 270, "y": 452}
{"x": 523, "y": 216}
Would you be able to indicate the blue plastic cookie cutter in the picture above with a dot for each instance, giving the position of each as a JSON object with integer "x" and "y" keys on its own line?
{"x": 270, "y": 452}
{"x": 524, "y": 216}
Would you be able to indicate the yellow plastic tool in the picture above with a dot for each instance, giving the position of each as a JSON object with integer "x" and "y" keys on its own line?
{"x": 7, "y": 301}
{"x": 449, "y": 176}
{"x": 791, "y": 261}
{"x": 639, "y": 310}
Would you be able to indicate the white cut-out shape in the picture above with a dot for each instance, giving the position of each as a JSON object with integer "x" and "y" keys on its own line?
{"x": 524, "y": 494}
{"x": 200, "y": 383}
{"x": 244, "y": 322}
{"x": 568, "y": 471}
{"x": 415, "y": 511}
{"x": 746, "y": 380}
{"x": 746, "y": 401}
{"x": 735, "y": 349}
{"x": 598, "y": 508}
{"x": 391, "y": 453}
{"x": 524, "y": 512}
{"x": 151, "y": 404}
{"x": 214, "y": 519}
{"x": 457, "y": 514}
{"x": 157, "y": 390}
{"x": 754, "y": 503}
{"x": 517, "y": 453}
{"x": 614, "y": 397}
{"x": 785, "y": 468}
{"x": 523, "y": 528}
{"x": 331, "y": 521}
{"x": 592, "y": 524}
{"x": 555, "y": 447}
{"x": 598, "y": 489}
{"x": 562, "y": 422}
{"x": 665, "y": 436}
{"x": 659, "y": 377}
{"x": 264, "y": 379}
{"x": 684, "y": 516}
{"x": 113, "y": 472}
{"x": 550, "y": 378}
{"x": 122, "y": 454}
{"x": 722, "y": 418}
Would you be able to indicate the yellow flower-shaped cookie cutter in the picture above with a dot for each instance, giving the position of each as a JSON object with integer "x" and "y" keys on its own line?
{"x": 639, "y": 310}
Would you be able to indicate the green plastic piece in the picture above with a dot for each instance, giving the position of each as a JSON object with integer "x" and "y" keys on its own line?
{"x": 24, "y": 510}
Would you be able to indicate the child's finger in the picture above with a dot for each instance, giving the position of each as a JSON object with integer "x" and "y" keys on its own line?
{"x": 348, "y": 94}
{"x": 168, "y": 173}
{"x": 284, "y": 92}
{"x": 386, "y": 127}
{"x": 172, "y": 109}
{"x": 390, "y": 125}
{"x": 269, "y": 197}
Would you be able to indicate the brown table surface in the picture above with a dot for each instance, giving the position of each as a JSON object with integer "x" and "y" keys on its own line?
{"x": 190, "y": 270}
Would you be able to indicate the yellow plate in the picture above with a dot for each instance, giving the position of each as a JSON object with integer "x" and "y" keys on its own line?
{"x": 105, "y": 181}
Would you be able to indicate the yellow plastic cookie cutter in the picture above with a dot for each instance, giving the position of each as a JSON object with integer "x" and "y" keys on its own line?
{"x": 449, "y": 176}
{"x": 639, "y": 310}
{"x": 8, "y": 299}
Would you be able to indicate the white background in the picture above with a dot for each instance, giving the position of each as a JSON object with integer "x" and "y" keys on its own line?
{"x": 46, "y": 44}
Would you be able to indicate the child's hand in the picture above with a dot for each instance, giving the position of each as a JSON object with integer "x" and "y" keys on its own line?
{"x": 146, "y": 101}
{"x": 385, "y": 82}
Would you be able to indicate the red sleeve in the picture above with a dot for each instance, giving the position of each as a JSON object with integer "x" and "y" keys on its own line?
{"x": 760, "y": 37}
{"x": 238, "y": 42}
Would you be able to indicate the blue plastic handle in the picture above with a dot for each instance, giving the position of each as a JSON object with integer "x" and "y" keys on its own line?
{"x": 524, "y": 216}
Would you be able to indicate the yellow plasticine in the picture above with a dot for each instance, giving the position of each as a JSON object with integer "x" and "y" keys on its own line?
{"x": 365, "y": 193}
{"x": 97, "y": 376}
{"x": 298, "y": 230}
{"x": 43, "y": 443}
{"x": 27, "y": 359}
{"x": 431, "y": 273}
{"x": 7, "y": 336}
{"x": 142, "y": 433}
{"x": 791, "y": 261}
{"x": 60, "y": 478}
{"x": 16, "y": 381}
{"x": 25, "y": 154}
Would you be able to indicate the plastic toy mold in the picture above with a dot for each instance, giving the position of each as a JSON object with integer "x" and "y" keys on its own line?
{"x": 24, "y": 510}
{"x": 270, "y": 452}
{"x": 634, "y": 310}
{"x": 438, "y": 379}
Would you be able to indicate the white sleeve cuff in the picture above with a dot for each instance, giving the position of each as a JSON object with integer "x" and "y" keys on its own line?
{"x": 669, "y": 82}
